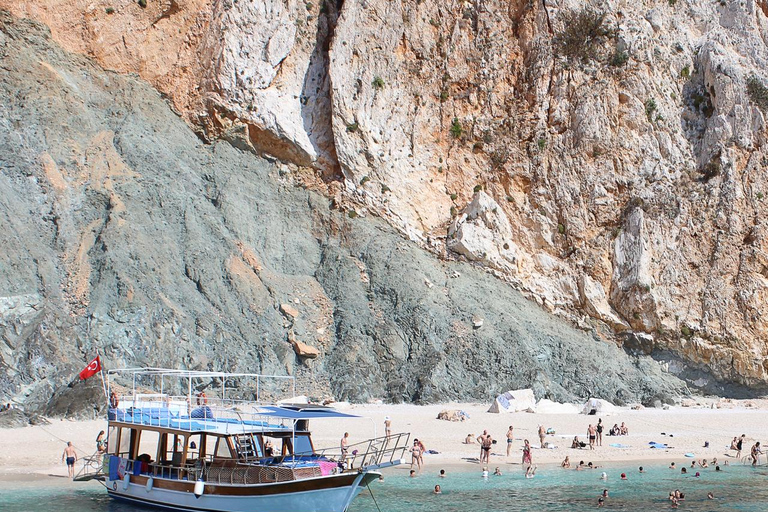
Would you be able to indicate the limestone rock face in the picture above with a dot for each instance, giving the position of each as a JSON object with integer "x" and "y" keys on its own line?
{"x": 626, "y": 174}
{"x": 126, "y": 235}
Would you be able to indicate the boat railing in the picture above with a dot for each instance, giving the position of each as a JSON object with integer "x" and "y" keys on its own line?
{"x": 168, "y": 411}
{"x": 372, "y": 453}
{"x": 94, "y": 467}
{"x": 237, "y": 473}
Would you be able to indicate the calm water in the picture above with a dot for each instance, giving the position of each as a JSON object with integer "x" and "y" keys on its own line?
{"x": 737, "y": 488}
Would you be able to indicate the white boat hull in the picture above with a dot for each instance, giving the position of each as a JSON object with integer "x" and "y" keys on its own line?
{"x": 333, "y": 499}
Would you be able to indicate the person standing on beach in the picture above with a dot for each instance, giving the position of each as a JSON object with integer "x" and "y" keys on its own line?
{"x": 387, "y": 426}
{"x": 71, "y": 457}
{"x": 510, "y": 439}
{"x": 481, "y": 439}
{"x": 542, "y": 435}
{"x": 755, "y": 453}
{"x": 485, "y": 451}
{"x": 592, "y": 433}
{"x": 599, "y": 431}
{"x": 416, "y": 454}
{"x": 527, "y": 459}
{"x": 344, "y": 446}
{"x": 740, "y": 445}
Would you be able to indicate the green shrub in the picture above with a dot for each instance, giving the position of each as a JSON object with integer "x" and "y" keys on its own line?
{"x": 454, "y": 196}
{"x": 443, "y": 96}
{"x": 456, "y": 129}
{"x": 378, "y": 83}
{"x": 650, "y": 108}
{"x": 352, "y": 214}
{"x": 584, "y": 35}
{"x": 365, "y": 180}
{"x": 385, "y": 189}
{"x": 685, "y": 72}
{"x": 758, "y": 93}
{"x": 453, "y": 211}
{"x": 110, "y": 10}
{"x": 477, "y": 188}
{"x": 142, "y": 3}
{"x": 685, "y": 331}
{"x": 561, "y": 229}
{"x": 541, "y": 143}
{"x": 760, "y": 196}
{"x": 352, "y": 127}
{"x": 619, "y": 58}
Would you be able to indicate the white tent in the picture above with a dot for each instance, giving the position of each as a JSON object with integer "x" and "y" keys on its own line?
{"x": 549, "y": 407}
{"x": 514, "y": 401}
{"x": 599, "y": 406}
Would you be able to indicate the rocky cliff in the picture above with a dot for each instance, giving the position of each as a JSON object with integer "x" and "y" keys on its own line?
{"x": 607, "y": 158}
{"x": 124, "y": 233}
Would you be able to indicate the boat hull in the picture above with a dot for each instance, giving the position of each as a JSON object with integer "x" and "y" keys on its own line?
{"x": 324, "y": 494}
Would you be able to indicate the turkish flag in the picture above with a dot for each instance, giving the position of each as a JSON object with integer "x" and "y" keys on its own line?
{"x": 92, "y": 369}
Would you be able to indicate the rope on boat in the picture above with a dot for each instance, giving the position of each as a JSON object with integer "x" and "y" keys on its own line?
{"x": 372, "y": 496}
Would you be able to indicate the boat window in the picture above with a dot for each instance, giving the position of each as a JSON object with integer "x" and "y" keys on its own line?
{"x": 171, "y": 446}
{"x": 273, "y": 446}
{"x": 195, "y": 448}
{"x": 124, "y": 449}
{"x": 112, "y": 440}
{"x": 222, "y": 448}
{"x": 148, "y": 444}
{"x": 302, "y": 445}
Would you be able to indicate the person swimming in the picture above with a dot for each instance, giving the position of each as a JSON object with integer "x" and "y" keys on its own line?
{"x": 437, "y": 490}
{"x": 497, "y": 472}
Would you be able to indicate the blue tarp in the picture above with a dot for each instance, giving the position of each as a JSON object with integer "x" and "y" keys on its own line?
{"x": 114, "y": 462}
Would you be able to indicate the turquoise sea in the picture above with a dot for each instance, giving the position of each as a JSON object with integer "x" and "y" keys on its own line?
{"x": 736, "y": 488}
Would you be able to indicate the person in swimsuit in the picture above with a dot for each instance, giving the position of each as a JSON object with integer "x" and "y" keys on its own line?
{"x": 71, "y": 457}
{"x": 416, "y": 454}
{"x": 542, "y": 436}
{"x": 437, "y": 490}
{"x": 344, "y": 446}
{"x": 481, "y": 440}
{"x": 527, "y": 453}
{"x": 740, "y": 445}
{"x": 592, "y": 433}
{"x": 422, "y": 451}
{"x": 566, "y": 463}
{"x": 755, "y": 453}
{"x": 101, "y": 443}
{"x": 485, "y": 452}
{"x": 387, "y": 426}
{"x": 599, "y": 431}
{"x": 510, "y": 439}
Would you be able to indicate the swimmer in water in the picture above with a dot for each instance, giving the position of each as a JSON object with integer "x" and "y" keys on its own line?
{"x": 600, "y": 502}
{"x": 603, "y": 476}
{"x": 437, "y": 490}
{"x": 497, "y": 472}
{"x": 485, "y": 472}
{"x": 710, "y": 495}
{"x": 642, "y": 470}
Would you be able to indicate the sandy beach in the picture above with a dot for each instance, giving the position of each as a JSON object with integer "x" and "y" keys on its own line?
{"x": 30, "y": 454}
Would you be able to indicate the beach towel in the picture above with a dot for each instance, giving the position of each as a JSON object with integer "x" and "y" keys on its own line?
{"x": 690, "y": 455}
{"x": 326, "y": 467}
{"x": 619, "y": 445}
{"x": 654, "y": 444}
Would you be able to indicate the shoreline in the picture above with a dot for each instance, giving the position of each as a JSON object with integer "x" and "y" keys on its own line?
{"x": 31, "y": 455}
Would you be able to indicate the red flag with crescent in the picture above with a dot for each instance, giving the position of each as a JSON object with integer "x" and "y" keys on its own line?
{"x": 92, "y": 369}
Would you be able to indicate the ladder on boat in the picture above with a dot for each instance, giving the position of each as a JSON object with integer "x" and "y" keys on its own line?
{"x": 246, "y": 447}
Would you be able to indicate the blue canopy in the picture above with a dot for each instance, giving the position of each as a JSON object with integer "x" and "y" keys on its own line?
{"x": 303, "y": 413}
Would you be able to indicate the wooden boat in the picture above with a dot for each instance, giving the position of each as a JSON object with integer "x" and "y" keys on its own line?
{"x": 196, "y": 453}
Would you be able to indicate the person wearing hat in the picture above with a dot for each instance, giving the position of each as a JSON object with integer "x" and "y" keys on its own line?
{"x": 387, "y": 426}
